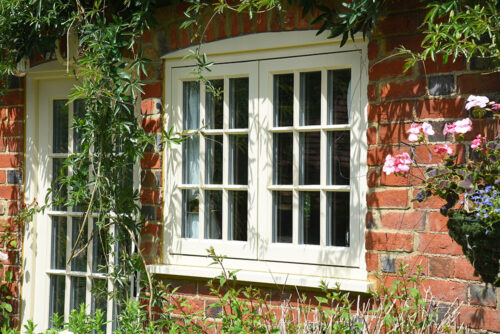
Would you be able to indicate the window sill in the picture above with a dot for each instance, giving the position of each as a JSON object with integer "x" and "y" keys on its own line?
{"x": 362, "y": 286}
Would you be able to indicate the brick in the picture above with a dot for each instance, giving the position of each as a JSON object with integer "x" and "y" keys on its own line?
{"x": 413, "y": 263}
{"x": 436, "y": 222}
{"x": 390, "y": 111}
{"x": 152, "y": 90}
{"x": 210, "y": 32}
{"x": 483, "y": 295}
{"x": 389, "y": 241}
{"x": 434, "y": 243}
{"x": 235, "y": 27}
{"x": 388, "y": 199}
{"x": 395, "y": 24}
{"x": 151, "y": 229}
{"x": 12, "y": 129}
{"x": 478, "y": 83}
{"x": 413, "y": 221}
{"x": 405, "y": 89}
{"x": 432, "y": 67}
{"x": 152, "y": 124}
{"x": 3, "y": 176}
{"x": 150, "y": 196}
{"x": 261, "y": 25}
{"x": 372, "y": 92}
{"x": 482, "y": 64}
{"x": 289, "y": 19}
{"x": 483, "y": 318}
{"x": 151, "y": 106}
{"x": 446, "y": 291}
{"x": 370, "y": 220}
{"x": 151, "y": 161}
{"x": 464, "y": 270}
{"x": 247, "y": 24}
{"x": 185, "y": 38}
{"x": 388, "y": 264}
{"x": 9, "y": 161}
{"x": 149, "y": 179}
{"x": 221, "y": 26}
{"x": 9, "y": 192}
{"x": 373, "y": 177}
{"x": 148, "y": 212}
{"x": 412, "y": 42}
{"x": 372, "y": 50}
{"x": 371, "y": 135}
{"x": 13, "y": 208}
{"x": 371, "y": 261}
{"x": 15, "y": 82}
{"x": 377, "y": 155}
{"x": 441, "y": 85}
{"x": 12, "y": 114}
{"x": 303, "y": 20}
{"x": 174, "y": 38}
{"x": 486, "y": 127}
{"x": 13, "y": 177}
{"x": 413, "y": 178}
{"x": 12, "y": 98}
{"x": 443, "y": 267}
{"x": 444, "y": 108}
{"x": 16, "y": 145}
{"x": 426, "y": 155}
{"x": 274, "y": 21}
{"x": 387, "y": 69}
{"x": 433, "y": 202}
{"x": 393, "y": 133}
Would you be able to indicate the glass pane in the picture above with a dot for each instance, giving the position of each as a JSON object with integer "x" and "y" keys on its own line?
{"x": 339, "y": 84}
{"x": 191, "y": 160}
{"x": 309, "y": 217}
{"x": 99, "y": 300}
{"x": 310, "y": 98}
{"x": 238, "y": 103}
{"x": 283, "y": 158}
{"x": 213, "y": 214}
{"x": 191, "y": 105}
{"x": 99, "y": 252}
{"x": 78, "y": 289}
{"x": 78, "y": 114}
{"x": 214, "y": 105}
{"x": 190, "y": 210}
{"x": 57, "y": 288}
{"x": 338, "y": 165}
{"x": 213, "y": 157}
{"x": 59, "y": 191}
{"x": 283, "y": 99}
{"x": 310, "y": 151}
{"x": 238, "y": 157}
{"x": 58, "y": 253}
{"x": 283, "y": 221}
{"x": 238, "y": 208}
{"x": 79, "y": 262}
{"x": 338, "y": 219}
{"x": 60, "y": 126}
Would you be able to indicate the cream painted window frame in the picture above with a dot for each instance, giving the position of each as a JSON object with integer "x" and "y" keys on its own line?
{"x": 269, "y": 267}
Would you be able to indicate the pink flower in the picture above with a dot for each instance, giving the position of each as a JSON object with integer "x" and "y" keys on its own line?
{"x": 462, "y": 126}
{"x": 417, "y": 131}
{"x": 397, "y": 164}
{"x": 427, "y": 129}
{"x": 476, "y": 101}
{"x": 495, "y": 106}
{"x": 476, "y": 143}
{"x": 4, "y": 257}
{"x": 440, "y": 149}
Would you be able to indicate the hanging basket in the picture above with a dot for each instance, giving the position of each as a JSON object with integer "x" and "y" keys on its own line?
{"x": 480, "y": 244}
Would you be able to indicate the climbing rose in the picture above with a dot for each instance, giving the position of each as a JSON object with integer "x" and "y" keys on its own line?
{"x": 443, "y": 149}
{"x": 417, "y": 131}
{"x": 476, "y": 142}
{"x": 398, "y": 163}
{"x": 462, "y": 126}
{"x": 3, "y": 257}
{"x": 476, "y": 101}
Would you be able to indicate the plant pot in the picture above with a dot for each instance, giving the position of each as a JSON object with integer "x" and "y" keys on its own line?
{"x": 480, "y": 244}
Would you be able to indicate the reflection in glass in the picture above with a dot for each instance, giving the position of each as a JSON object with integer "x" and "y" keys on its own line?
{"x": 79, "y": 262}
{"x": 238, "y": 103}
{"x": 78, "y": 290}
{"x": 191, "y": 160}
{"x": 214, "y": 105}
{"x": 213, "y": 214}
{"x": 78, "y": 115}
{"x": 338, "y": 219}
{"x": 191, "y": 105}
{"x": 309, "y": 204}
{"x": 283, "y": 99}
{"x": 99, "y": 299}
{"x": 282, "y": 217}
{"x": 338, "y": 158}
{"x": 60, "y": 126}
{"x": 283, "y": 158}
{"x": 339, "y": 84}
{"x": 60, "y": 191}
{"x": 56, "y": 304}
{"x": 310, "y": 98}
{"x": 310, "y": 151}
{"x": 213, "y": 157}
{"x": 190, "y": 210}
{"x": 238, "y": 157}
{"x": 58, "y": 253}
{"x": 99, "y": 252}
{"x": 238, "y": 208}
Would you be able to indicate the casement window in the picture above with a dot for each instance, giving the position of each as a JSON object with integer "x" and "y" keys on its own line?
{"x": 275, "y": 177}
{"x": 52, "y": 285}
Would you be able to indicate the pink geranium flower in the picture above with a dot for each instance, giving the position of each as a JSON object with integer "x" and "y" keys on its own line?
{"x": 440, "y": 149}
{"x": 4, "y": 257}
{"x": 476, "y": 143}
{"x": 397, "y": 164}
{"x": 418, "y": 131}
{"x": 495, "y": 106}
{"x": 476, "y": 101}
{"x": 461, "y": 127}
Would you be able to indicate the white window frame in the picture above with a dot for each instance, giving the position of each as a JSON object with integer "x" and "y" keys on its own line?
{"x": 35, "y": 294}
{"x": 282, "y": 52}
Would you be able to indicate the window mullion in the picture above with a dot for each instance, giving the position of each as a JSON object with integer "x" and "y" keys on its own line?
{"x": 296, "y": 157}
{"x": 201, "y": 215}
{"x": 226, "y": 162}
{"x": 323, "y": 159}
{"x": 69, "y": 247}
{"x": 90, "y": 254}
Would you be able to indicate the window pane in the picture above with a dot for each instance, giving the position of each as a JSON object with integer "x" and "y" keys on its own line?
{"x": 339, "y": 82}
{"x": 283, "y": 223}
{"x": 191, "y": 161}
{"x": 238, "y": 208}
{"x": 213, "y": 157}
{"x": 191, "y": 105}
{"x": 338, "y": 219}
{"x": 190, "y": 217}
{"x": 58, "y": 253}
{"x": 338, "y": 158}
{"x": 99, "y": 299}
{"x": 214, "y": 105}
{"x": 213, "y": 214}
{"x": 309, "y": 217}
{"x": 78, "y": 289}
{"x": 238, "y": 157}
{"x": 238, "y": 103}
{"x": 310, "y": 150}
{"x": 99, "y": 252}
{"x": 310, "y": 98}
{"x": 78, "y": 114}
{"x": 283, "y": 99}
{"x": 79, "y": 262}
{"x": 57, "y": 288}
{"x": 59, "y": 191}
{"x": 60, "y": 129}
{"x": 283, "y": 158}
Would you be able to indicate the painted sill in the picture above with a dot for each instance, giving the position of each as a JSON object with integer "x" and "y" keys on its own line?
{"x": 362, "y": 286}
